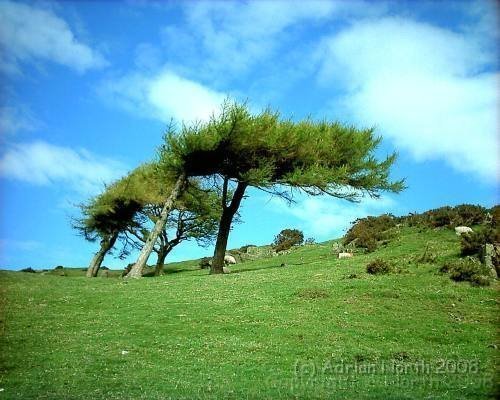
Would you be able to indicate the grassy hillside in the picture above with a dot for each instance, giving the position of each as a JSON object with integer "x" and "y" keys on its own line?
{"x": 317, "y": 328}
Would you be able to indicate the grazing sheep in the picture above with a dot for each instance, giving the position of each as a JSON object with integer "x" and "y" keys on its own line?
{"x": 460, "y": 230}
{"x": 229, "y": 259}
{"x": 226, "y": 270}
{"x": 345, "y": 255}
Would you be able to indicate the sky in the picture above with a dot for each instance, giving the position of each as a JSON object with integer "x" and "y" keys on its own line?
{"x": 87, "y": 90}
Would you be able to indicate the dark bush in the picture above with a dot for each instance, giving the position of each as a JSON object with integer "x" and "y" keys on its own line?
{"x": 469, "y": 214}
{"x": 378, "y": 267}
{"x": 467, "y": 269}
{"x": 205, "y": 262}
{"x": 367, "y": 232}
{"x": 288, "y": 238}
{"x": 310, "y": 240}
{"x": 495, "y": 216}
{"x": 244, "y": 249}
{"x": 104, "y": 268}
{"x": 473, "y": 243}
{"x": 59, "y": 267}
{"x": 29, "y": 269}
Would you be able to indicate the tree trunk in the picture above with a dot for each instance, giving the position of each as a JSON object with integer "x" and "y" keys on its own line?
{"x": 162, "y": 254}
{"x": 106, "y": 244}
{"x": 225, "y": 227}
{"x": 136, "y": 271}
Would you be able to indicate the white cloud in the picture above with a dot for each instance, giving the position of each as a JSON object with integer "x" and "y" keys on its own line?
{"x": 15, "y": 119}
{"x": 424, "y": 87}
{"x": 29, "y": 33}
{"x": 322, "y": 217}
{"x": 232, "y": 37}
{"x": 163, "y": 96}
{"x": 41, "y": 163}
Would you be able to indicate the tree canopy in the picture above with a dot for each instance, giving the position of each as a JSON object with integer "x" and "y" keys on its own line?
{"x": 265, "y": 150}
{"x": 269, "y": 152}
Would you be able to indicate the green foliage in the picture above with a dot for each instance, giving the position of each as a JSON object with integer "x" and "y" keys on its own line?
{"x": 368, "y": 231}
{"x": 29, "y": 270}
{"x": 310, "y": 241}
{"x": 467, "y": 269}
{"x": 472, "y": 243}
{"x": 264, "y": 150}
{"x": 464, "y": 214}
{"x": 205, "y": 262}
{"x": 59, "y": 267}
{"x": 379, "y": 267}
{"x": 288, "y": 238}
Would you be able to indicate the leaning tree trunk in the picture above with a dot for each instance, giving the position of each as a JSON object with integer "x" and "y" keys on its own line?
{"x": 106, "y": 244}
{"x": 162, "y": 254}
{"x": 225, "y": 227}
{"x": 136, "y": 271}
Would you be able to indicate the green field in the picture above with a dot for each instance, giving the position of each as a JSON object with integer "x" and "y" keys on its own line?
{"x": 316, "y": 328}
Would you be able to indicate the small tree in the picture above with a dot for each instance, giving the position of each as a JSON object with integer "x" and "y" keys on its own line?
{"x": 195, "y": 217}
{"x": 288, "y": 238}
{"x": 126, "y": 206}
{"x": 241, "y": 149}
{"x": 104, "y": 217}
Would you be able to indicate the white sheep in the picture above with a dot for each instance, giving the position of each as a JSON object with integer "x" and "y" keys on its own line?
{"x": 345, "y": 255}
{"x": 460, "y": 230}
{"x": 229, "y": 259}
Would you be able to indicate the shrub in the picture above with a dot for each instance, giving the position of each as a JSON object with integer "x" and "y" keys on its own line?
{"x": 205, "y": 262}
{"x": 59, "y": 267}
{"x": 467, "y": 269}
{"x": 469, "y": 214}
{"x": 378, "y": 267}
{"x": 367, "y": 232}
{"x": 244, "y": 249}
{"x": 310, "y": 240}
{"x": 29, "y": 269}
{"x": 473, "y": 243}
{"x": 288, "y": 238}
{"x": 104, "y": 268}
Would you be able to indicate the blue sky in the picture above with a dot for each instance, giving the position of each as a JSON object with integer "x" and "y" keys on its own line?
{"x": 88, "y": 88}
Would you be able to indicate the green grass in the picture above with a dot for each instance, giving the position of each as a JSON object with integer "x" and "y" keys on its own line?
{"x": 308, "y": 330}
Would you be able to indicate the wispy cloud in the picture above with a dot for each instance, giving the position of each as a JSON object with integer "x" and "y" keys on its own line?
{"x": 325, "y": 217}
{"x": 163, "y": 96}
{"x": 16, "y": 119}
{"x": 431, "y": 90}
{"x": 32, "y": 34}
{"x": 41, "y": 163}
{"x": 231, "y": 37}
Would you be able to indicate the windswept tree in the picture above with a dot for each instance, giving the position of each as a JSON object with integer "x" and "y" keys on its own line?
{"x": 273, "y": 154}
{"x": 104, "y": 217}
{"x": 195, "y": 217}
{"x": 128, "y": 205}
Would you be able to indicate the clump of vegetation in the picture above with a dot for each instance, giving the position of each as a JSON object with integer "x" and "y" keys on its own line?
{"x": 467, "y": 269}
{"x": 368, "y": 232}
{"x": 310, "y": 241}
{"x": 473, "y": 243}
{"x": 464, "y": 214}
{"x": 61, "y": 267}
{"x": 288, "y": 238}
{"x": 313, "y": 293}
{"x": 379, "y": 267}
{"x": 205, "y": 262}
{"x": 29, "y": 269}
{"x": 244, "y": 249}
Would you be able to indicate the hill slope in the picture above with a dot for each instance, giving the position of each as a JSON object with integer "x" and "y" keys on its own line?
{"x": 318, "y": 328}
